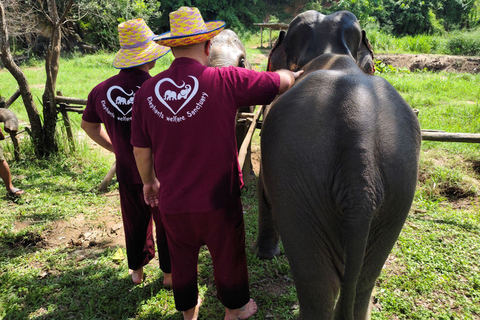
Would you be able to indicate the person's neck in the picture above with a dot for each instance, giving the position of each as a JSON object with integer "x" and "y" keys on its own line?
{"x": 144, "y": 67}
{"x": 196, "y": 57}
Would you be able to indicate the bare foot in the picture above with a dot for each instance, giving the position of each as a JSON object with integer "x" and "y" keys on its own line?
{"x": 244, "y": 312}
{"x": 137, "y": 275}
{"x": 192, "y": 314}
{"x": 167, "y": 280}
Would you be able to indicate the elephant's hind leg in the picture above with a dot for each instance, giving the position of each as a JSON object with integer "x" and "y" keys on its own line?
{"x": 317, "y": 278}
{"x": 267, "y": 244}
{"x": 383, "y": 235}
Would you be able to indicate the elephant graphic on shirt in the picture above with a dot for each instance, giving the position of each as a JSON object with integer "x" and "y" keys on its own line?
{"x": 120, "y": 100}
{"x": 183, "y": 94}
{"x": 170, "y": 95}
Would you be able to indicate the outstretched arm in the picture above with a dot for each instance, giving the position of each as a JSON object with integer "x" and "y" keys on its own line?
{"x": 151, "y": 185}
{"x": 287, "y": 79}
{"x": 98, "y": 134}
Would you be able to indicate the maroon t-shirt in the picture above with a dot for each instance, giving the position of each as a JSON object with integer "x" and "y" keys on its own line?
{"x": 111, "y": 102}
{"x": 186, "y": 114}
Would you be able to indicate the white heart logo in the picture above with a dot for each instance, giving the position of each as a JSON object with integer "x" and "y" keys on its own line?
{"x": 120, "y": 100}
{"x": 185, "y": 92}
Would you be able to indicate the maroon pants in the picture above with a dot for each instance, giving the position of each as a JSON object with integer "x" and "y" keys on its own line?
{"x": 223, "y": 232}
{"x": 137, "y": 223}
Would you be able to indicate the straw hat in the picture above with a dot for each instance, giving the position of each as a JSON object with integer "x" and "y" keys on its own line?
{"x": 187, "y": 27}
{"x": 136, "y": 45}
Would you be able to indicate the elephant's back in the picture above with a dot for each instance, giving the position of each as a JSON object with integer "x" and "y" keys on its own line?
{"x": 335, "y": 130}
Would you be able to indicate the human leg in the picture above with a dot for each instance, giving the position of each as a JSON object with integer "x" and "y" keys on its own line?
{"x": 6, "y": 176}
{"x": 226, "y": 242}
{"x": 162, "y": 248}
{"x": 184, "y": 244}
{"x": 137, "y": 224}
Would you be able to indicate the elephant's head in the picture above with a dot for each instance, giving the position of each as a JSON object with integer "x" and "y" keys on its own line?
{"x": 10, "y": 120}
{"x": 311, "y": 34}
{"x": 228, "y": 50}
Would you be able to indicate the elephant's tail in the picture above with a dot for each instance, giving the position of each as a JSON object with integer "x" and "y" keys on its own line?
{"x": 358, "y": 216}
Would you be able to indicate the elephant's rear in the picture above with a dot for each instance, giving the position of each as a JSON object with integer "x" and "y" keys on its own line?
{"x": 339, "y": 161}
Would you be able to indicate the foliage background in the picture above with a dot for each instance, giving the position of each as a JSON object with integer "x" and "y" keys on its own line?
{"x": 95, "y": 22}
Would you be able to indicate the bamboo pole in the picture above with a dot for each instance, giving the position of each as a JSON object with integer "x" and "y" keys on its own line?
{"x": 248, "y": 138}
{"x": 69, "y": 100}
{"x": 450, "y": 137}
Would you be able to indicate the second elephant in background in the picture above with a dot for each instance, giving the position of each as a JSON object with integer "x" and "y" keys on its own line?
{"x": 228, "y": 50}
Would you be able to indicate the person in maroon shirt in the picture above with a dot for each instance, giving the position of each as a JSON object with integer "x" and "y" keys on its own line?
{"x": 183, "y": 133}
{"x": 110, "y": 103}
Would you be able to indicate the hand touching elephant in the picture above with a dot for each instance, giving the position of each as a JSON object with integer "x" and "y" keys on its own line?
{"x": 339, "y": 164}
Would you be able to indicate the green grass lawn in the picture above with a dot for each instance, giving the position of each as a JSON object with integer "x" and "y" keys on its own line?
{"x": 432, "y": 273}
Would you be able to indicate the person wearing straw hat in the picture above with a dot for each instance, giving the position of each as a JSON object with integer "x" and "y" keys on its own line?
{"x": 110, "y": 103}
{"x": 183, "y": 133}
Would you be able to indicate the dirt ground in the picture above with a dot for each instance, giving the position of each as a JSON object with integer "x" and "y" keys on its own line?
{"x": 107, "y": 230}
{"x": 432, "y": 62}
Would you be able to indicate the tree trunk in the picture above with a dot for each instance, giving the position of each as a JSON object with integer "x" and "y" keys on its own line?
{"x": 33, "y": 115}
{"x": 51, "y": 66}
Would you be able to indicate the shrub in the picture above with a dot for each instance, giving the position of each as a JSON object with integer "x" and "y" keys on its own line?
{"x": 464, "y": 44}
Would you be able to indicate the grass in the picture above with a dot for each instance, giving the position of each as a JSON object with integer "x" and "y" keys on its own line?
{"x": 432, "y": 272}
{"x": 456, "y": 43}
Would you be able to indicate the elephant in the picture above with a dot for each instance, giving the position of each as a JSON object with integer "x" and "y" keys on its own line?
{"x": 228, "y": 50}
{"x": 121, "y": 100}
{"x": 339, "y": 168}
{"x": 183, "y": 94}
{"x": 9, "y": 118}
{"x": 170, "y": 95}
{"x": 312, "y": 33}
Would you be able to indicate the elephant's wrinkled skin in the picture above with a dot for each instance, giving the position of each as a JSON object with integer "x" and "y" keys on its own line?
{"x": 311, "y": 34}
{"x": 339, "y": 165}
{"x": 228, "y": 50}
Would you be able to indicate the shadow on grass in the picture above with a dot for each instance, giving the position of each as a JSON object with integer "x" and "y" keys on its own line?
{"x": 465, "y": 226}
{"x": 86, "y": 289}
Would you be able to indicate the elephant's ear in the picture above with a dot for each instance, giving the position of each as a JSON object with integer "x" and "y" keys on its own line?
{"x": 365, "y": 57}
{"x": 277, "y": 59}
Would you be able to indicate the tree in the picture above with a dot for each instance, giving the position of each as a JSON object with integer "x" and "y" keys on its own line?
{"x": 43, "y": 136}
{"x": 51, "y": 67}
{"x": 32, "y": 111}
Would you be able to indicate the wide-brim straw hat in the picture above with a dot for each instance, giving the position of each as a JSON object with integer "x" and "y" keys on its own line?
{"x": 187, "y": 27}
{"x": 136, "y": 45}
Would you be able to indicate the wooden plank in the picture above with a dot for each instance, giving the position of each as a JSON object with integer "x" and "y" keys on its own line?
{"x": 248, "y": 138}
{"x": 245, "y": 115}
{"x": 12, "y": 99}
{"x": 450, "y": 137}
{"x": 273, "y": 26}
{"x": 60, "y": 99}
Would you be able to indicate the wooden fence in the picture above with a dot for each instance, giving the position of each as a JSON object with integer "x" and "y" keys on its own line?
{"x": 68, "y": 104}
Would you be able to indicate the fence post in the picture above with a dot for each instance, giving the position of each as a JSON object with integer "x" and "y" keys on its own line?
{"x": 66, "y": 123}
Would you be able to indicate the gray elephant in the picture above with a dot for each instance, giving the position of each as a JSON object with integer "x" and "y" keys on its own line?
{"x": 311, "y": 34}
{"x": 10, "y": 120}
{"x": 228, "y": 50}
{"x": 339, "y": 165}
